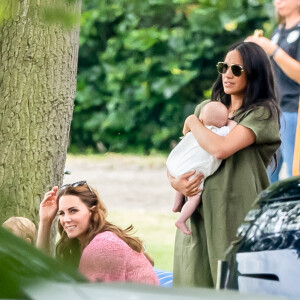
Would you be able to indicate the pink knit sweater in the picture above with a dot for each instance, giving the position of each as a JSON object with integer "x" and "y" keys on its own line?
{"x": 109, "y": 258}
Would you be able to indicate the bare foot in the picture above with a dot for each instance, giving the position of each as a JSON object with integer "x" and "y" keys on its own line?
{"x": 183, "y": 227}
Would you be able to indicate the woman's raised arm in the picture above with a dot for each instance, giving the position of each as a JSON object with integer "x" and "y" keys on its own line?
{"x": 289, "y": 65}
{"x": 48, "y": 210}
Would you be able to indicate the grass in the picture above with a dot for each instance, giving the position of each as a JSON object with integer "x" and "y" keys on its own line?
{"x": 149, "y": 161}
{"x": 156, "y": 230}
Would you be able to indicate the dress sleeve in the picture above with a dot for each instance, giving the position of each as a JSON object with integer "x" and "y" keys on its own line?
{"x": 104, "y": 259}
{"x": 265, "y": 128}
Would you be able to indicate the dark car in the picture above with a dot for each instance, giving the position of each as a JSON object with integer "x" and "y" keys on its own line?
{"x": 265, "y": 258}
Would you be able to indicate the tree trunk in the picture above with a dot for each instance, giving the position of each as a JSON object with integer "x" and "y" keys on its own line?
{"x": 38, "y": 66}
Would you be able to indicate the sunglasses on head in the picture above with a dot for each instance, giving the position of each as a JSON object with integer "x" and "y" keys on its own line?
{"x": 236, "y": 70}
{"x": 78, "y": 183}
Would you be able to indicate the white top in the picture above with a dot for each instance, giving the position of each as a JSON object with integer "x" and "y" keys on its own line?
{"x": 189, "y": 156}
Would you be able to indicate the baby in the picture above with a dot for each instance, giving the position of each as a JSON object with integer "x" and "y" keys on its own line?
{"x": 21, "y": 227}
{"x": 189, "y": 156}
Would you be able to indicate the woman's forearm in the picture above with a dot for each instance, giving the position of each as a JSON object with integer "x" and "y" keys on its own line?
{"x": 220, "y": 146}
{"x": 43, "y": 237}
{"x": 288, "y": 65}
{"x": 48, "y": 210}
{"x": 207, "y": 140}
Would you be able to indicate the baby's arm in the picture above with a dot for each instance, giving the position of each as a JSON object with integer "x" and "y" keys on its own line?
{"x": 231, "y": 124}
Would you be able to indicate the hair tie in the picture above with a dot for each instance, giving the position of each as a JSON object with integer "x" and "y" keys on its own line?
{"x": 275, "y": 52}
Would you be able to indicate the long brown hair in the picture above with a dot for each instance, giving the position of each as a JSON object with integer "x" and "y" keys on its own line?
{"x": 70, "y": 249}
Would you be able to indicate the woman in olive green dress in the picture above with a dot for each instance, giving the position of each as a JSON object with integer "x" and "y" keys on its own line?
{"x": 246, "y": 86}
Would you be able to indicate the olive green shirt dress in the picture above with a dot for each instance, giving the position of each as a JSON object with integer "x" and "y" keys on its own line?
{"x": 226, "y": 199}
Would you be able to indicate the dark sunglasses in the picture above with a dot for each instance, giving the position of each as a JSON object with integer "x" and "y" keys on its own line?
{"x": 78, "y": 183}
{"x": 236, "y": 70}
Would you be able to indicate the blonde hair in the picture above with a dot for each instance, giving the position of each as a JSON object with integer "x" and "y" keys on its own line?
{"x": 21, "y": 227}
{"x": 70, "y": 249}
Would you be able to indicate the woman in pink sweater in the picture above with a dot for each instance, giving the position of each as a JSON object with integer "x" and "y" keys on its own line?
{"x": 103, "y": 251}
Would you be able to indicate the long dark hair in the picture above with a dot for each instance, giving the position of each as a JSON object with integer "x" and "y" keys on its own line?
{"x": 69, "y": 250}
{"x": 260, "y": 89}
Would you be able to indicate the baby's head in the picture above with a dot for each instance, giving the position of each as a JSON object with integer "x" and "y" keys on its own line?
{"x": 214, "y": 113}
{"x": 21, "y": 227}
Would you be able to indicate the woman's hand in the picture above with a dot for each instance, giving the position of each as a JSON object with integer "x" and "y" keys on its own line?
{"x": 49, "y": 206}
{"x": 264, "y": 42}
{"x": 184, "y": 185}
{"x": 289, "y": 65}
{"x": 48, "y": 210}
{"x": 188, "y": 122}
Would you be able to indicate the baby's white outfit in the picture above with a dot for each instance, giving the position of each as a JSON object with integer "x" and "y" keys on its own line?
{"x": 189, "y": 156}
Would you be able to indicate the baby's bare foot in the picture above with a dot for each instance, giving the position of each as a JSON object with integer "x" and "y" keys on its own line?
{"x": 182, "y": 226}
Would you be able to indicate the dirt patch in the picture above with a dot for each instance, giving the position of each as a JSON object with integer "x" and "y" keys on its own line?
{"x": 125, "y": 182}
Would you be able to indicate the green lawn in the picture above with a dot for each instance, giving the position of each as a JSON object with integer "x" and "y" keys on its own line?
{"x": 156, "y": 230}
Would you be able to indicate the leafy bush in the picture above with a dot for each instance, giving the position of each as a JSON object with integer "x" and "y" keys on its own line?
{"x": 144, "y": 65}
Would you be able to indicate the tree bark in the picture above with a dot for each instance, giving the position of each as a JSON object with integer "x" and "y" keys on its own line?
{"x": 38, "y": 66}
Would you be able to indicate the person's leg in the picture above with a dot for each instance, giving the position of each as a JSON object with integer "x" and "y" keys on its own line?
{"x": 288, "y": 133}
{"x": 178, "y": 201}
{"x": 186, "y": 212}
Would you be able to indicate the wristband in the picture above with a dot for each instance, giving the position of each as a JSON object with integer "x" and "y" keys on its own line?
{"x": 275, "y": 52}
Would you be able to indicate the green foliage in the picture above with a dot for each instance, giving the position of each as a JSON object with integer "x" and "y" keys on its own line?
{"x": 22, "y": 265}
{"x": 61, "y": 12}
{"x": 144, "y": 65}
